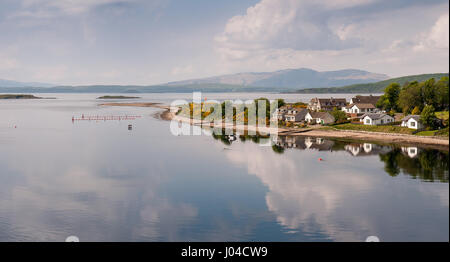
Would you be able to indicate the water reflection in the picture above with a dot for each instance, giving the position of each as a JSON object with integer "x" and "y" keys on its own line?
{"x": 344, "y": 197}
{"x": 101, "y": 182}
{"x": 425, "y": 164}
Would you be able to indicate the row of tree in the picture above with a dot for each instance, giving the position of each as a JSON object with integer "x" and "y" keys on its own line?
{"x": 417, "y": 98}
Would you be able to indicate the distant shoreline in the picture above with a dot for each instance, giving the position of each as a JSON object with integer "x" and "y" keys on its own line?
{"x": 169, "y": 114}
{"x": 18, "y": 96}
{"x": 118, "y": 97}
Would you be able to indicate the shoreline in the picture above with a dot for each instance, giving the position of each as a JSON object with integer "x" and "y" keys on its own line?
{"x": 169, "y": 114}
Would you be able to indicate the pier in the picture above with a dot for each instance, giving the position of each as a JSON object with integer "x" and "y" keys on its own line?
{"x": 105, "y": 118}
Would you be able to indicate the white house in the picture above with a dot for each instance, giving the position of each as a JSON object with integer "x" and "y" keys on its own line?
{"x": 296, "y": 115}
{"x": 376, "y": 119}
{"x": 280, "y": 112}
{"x": 319, "y": 118}
{"x": 365, "y": 99}
{"x": 412, "y": 121}
{"x": 317, "y": 104}
{"x": 359, "y": 108}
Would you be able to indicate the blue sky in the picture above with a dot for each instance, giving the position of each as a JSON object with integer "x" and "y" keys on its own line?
{"x": 156, "y": 41}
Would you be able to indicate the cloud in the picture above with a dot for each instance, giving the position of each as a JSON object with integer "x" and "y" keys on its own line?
{"x": 92, "y": 37}
{"x": 437, "y": 37}
{"x": 282, "y": 24}
{"x": 49, "y": 8}
{"x": 276, "y": 34}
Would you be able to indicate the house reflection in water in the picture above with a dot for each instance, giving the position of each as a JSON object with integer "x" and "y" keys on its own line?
{"x": 411, "y": 151}
{"x": 299, "y": 142}
{"x": 354, "y": 148}
{"x": 364, "y": 149}
{"x": 425, "y": 164}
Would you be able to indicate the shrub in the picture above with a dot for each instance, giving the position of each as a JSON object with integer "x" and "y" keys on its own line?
{"x": 416, "y": 111}
{"x": 428, "y": 117}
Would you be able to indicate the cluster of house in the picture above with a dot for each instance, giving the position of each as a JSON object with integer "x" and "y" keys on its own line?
{"x": 360, "y": 107}
{"x": 312, "y": 114}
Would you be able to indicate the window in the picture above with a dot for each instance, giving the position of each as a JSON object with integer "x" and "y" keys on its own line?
{"x": 412, "y": 123}
{"x": 367, "y": 121}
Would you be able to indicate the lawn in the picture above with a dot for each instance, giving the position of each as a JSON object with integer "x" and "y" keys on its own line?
{"x": 442, "y": 132}
{"x": 442, "y": 115}
{"x": 384, "y": 129}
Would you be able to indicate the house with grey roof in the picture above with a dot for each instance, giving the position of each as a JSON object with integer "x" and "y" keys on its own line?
{"x": 376, "y": 119}
{"x": 370, "y": 99}
{"x": 317, "y": 104}
{"x": 295, "y": 115}
{"x": 280, "y": 112}
{"x": 360, "y": 108}
{"x": 412, "y": 121}
{"x": 322, "y": 118}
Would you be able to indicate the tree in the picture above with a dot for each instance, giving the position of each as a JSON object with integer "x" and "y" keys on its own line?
{"x": 267, "y": 109}
{"x": 442, "y": 94}
{"x": 428, "y": 117}
{"x": 428, "y": 92}
{"x": 410, "y": 97}
{"x": 389, "y": 101}
{"x": 339, "y": 115}
{"x": 280, "y": 102}
{"x": 416, "y": 111}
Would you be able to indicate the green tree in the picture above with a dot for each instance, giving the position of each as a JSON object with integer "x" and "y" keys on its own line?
{"x": 339, "y": 115}
{"x": 410, "y": 97}
{"x": 442, "y": 94}
{"x": 416, "y": 111}
{"x": 389, "y": 101}
{"x": 428, "y": 117}
{"x": 428, "y": 92}
{"x": 267, "y": 109}
{"x": 280, "y": 101}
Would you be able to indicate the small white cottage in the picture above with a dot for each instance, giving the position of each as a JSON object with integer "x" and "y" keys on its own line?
{"x": 376, "y": 119}
{"x": 359, "y": 108}
{"x": 412, "y": 121}
{"x": 322, "y": 118}
{"x": 296, "y": 115}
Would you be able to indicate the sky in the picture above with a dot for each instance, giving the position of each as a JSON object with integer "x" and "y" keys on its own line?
{"x": 146, "y": 42}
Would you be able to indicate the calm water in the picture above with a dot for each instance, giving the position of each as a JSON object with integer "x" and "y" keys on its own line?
{"x": 103, "y": 182}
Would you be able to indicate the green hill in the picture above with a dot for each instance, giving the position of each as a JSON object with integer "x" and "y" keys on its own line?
{"x": 376, "y": 87}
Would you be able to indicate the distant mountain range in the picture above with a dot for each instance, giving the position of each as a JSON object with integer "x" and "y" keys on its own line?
{"x": 10, "y": 83}
{"x": 290, "y": 79}
{"x": 377, "y": 87}
{"x": 283, "y": 80}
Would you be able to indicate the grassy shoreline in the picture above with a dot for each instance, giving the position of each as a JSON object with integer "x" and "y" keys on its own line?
{"x": 327, "y": 131}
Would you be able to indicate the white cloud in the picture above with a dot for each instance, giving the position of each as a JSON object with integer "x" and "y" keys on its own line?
{"x": 329, "y": 35}
{"x": 50, "y": 8}
{"x": 437, "y": 37}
